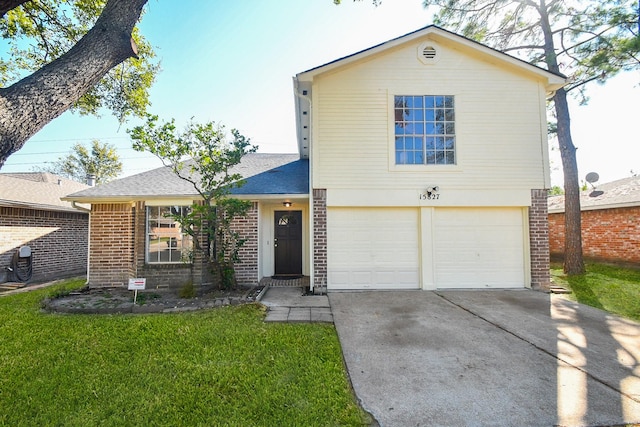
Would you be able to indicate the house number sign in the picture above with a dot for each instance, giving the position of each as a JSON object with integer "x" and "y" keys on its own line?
{"x": 431, "y": 193}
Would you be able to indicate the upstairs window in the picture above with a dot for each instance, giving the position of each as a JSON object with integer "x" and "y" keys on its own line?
{"x": 425, "y": 130}
{"x": 166, "y": 241}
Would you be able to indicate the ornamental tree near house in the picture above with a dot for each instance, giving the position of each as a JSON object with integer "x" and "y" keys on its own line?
{"x": 79, "y": 56}
{"x": 203, "y": 156}
{"x": 586, "y": 40}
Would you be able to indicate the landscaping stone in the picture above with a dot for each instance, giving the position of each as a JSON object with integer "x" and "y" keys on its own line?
{"x": 120, "y": 300}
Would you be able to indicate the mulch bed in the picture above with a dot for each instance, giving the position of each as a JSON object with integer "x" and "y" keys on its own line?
{"x": 120, "y": 300}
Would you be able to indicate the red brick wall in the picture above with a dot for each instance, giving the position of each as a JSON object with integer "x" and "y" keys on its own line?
{"x": 320, "y": 240}
{"x": 111, "y": 253}
{"x": 58, "y": 241}
{"x": 247, "y": 226}
{"x": 610, "y": 235}
{"x": 118, "y": 239}
{"x": 539, "y": 240}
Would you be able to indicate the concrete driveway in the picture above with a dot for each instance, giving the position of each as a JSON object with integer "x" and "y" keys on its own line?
{"x": 488, "y": 358}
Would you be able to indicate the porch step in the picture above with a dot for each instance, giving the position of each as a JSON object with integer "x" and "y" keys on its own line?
{"x": 298, "y": 282}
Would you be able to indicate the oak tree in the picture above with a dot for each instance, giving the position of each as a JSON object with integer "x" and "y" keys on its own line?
{"x": 84, "y": 55}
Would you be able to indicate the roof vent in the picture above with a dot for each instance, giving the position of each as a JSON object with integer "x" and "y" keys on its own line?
{"x": 429, "y": 52}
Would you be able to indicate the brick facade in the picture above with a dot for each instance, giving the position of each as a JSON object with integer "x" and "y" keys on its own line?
{"x": 111, "y": 252}
{"x": 247, "y": 226}
{"x": 118, "y": 245}
{"x": 58, "y": 241}
{"x": 320, "y": 240}
{"x": 539, "y": 240}
{"x": 608, "y": 235}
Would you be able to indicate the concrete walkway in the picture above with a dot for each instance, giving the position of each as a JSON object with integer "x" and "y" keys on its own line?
{"x": 290, "y": 304}
{"x": 488, "y": 358}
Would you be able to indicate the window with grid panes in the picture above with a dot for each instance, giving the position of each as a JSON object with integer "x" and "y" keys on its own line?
{"x": 424, "y": 130}
{"x": 166, "y": 240}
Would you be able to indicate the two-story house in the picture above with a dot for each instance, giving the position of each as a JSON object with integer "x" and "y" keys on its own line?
{"x": 422, "y": 164}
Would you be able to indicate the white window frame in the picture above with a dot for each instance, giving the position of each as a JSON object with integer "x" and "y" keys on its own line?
{"x": 402, "y": 167}
{"x": 185, "y": 239}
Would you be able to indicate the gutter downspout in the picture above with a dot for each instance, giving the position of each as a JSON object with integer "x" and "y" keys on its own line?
{"x": 298, "y": 96}
{"x": 83, "y": 209}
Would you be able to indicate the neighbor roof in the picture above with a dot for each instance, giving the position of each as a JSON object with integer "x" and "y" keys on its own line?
{"x": 37, "y": 190}
{"x": 616, "y": 194}
{"x": 264, "y": 174}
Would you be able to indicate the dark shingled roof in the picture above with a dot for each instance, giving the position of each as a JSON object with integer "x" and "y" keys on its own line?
{"x": 621, "y": 193}
{"x": 289, "y": 178}
{"x": 264, "y": 174}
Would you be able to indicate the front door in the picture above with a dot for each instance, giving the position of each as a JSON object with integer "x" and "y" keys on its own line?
{"x": 288, "y": 243}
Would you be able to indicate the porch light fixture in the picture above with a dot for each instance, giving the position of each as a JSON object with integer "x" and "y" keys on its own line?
{"x": 287, "y": 204}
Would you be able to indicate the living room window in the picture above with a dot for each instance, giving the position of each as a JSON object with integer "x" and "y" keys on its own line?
{"x": 166, "y": 241}
{"x": 424, "y": 130}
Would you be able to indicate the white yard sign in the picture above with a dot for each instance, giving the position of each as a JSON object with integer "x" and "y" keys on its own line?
{"x": 135, "y": 285}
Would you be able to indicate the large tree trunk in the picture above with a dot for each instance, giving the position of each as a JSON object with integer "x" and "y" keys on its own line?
{"x": 28, "y": 105}
{"x": 573, "y": 262}
{"x": 7, "y": 5}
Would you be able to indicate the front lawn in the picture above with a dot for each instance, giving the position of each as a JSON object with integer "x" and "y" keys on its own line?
{"x": 215, "y": 367}
{"x": 610, "y": 288}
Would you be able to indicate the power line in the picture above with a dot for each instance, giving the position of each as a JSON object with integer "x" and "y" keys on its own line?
{"x": 59, "y": 152}
{"x": 69, "y": 151}
{"x": 78, "y": 139}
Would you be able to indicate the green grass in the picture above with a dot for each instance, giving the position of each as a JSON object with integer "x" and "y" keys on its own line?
{"x": 215, "y": 367}
{"x": 610, "y": 288}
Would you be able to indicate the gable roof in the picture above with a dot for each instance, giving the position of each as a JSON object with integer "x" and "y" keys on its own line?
{"x": 37, "y": 190}
{"x": 556, "y": 80}
{"x": 616, "y": 194}
{"x": 264, "y": 174}
{"x": 302, "y": 81}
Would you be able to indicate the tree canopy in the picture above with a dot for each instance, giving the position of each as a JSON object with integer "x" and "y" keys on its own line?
{"x": 84, "y": 55}
{"x": 102, "y": 162}
{"x": 586, "y": 40}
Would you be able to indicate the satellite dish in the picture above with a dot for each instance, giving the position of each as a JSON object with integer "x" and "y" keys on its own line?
{"x": 592, "y": 177}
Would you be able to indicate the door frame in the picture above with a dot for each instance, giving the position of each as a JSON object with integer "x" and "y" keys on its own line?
{"x": 291, "y": 258}
{"x": 266, "y": 231}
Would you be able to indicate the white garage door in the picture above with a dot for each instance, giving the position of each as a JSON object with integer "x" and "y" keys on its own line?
{"x": 479, "y": 248}
{"x": 372, "y": 248}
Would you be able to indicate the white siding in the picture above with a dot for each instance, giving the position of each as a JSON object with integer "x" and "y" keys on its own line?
{"x": 479, "y": 248}
{"x": 499, "y": 123}
{"x": 373, "y": 249}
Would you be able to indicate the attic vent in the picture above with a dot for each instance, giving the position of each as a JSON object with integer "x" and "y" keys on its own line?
{"x": 429, "y": 53}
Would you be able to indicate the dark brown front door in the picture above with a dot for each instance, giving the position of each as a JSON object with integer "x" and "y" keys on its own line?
{"x": 288, "y": 243}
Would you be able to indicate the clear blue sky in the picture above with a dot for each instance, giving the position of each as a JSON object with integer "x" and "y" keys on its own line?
{"x": 233, "y": 62}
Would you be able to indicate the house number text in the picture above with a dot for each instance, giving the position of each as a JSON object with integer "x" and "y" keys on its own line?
{"x": 429, "y": 196}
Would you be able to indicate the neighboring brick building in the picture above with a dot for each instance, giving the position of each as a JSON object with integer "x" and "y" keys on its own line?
{"x": 32, "y": 214}
{"x": 610, "y": 222}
